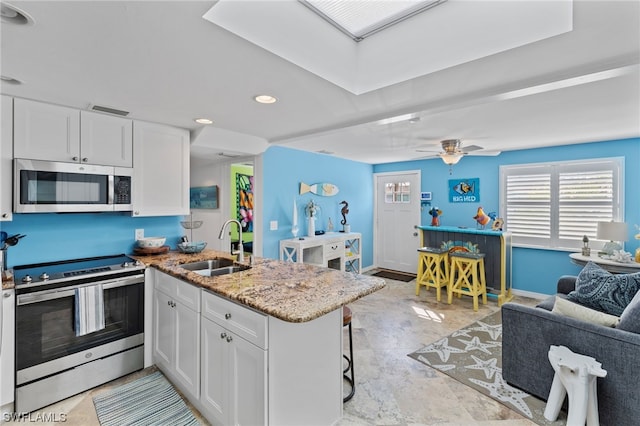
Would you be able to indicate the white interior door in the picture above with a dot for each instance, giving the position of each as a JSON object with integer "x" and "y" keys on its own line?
{"x": 397, "y": 213}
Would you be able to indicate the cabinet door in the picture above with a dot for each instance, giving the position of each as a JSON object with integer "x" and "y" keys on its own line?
{"x": 161, "y": 170}
{"x": 46, "y": 132}
{"x": 187, "y": 360}
{"x": 6, "y": 157}
{"x": 215, "y": 396}
{"x": 164, "y": 330}
{"x": 7, "y": 358}
{"x": 248, "y": 370}
{"x": 106, "y": 140}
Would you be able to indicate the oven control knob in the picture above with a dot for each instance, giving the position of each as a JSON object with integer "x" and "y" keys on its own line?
{"x": 44, "y": 276}
{"x": 26, "y": 279}
{"x": 126, "y": 264}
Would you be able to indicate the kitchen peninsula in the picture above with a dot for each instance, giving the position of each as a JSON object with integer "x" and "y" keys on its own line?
{"x": 258, "y": 346}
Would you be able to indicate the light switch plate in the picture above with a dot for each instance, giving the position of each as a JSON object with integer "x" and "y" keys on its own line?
{"x": 139, "y": 234}
{"x": 273, "y": 225}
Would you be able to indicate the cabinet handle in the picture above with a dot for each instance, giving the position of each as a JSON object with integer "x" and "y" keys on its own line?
{"x": 227, "y": 316}
{"x": 136, "y": 213}
{"x": 223, "y": 335}
{"x": 169, "y": 302}
{"x": 7, "y": 294}
{"x": 5, "y": 215}
{"x": 85, "y": 159}
{"x": 74, "y": 158}
{"x": 229, "y": 338}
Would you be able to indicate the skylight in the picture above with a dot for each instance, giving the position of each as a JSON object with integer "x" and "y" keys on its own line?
{"x": 360, "y": 19}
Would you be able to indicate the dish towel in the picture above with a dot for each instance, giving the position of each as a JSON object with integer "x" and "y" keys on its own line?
{"x": 89, "y": 309}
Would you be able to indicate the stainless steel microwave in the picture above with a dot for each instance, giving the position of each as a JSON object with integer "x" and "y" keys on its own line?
{"x": 55, "y": 187}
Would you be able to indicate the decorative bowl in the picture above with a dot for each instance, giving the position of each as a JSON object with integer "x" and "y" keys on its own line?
{"x": 192, "y": 247}
{"x": 151, "y": 242}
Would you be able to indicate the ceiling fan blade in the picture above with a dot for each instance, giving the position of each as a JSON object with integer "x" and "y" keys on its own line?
{"x": 471, "y": 148}
{"x": 485, "y": 153}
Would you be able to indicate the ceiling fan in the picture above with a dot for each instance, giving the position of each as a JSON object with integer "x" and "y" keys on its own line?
{"x": 452, "y": 151}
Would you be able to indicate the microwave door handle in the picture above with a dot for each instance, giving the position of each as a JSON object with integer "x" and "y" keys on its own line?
{"x": 111, "y": 190}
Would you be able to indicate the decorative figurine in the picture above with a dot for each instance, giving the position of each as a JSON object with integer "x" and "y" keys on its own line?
{"x": 435, "y": 216}
{"x": 481, "y": 218}
{"x": 330, "y": 226}
{"x": 586, "y": 251}
{"x": 312, "y": 210}
{"x": 344, "y": 211}
{"x": 498, "y": 222}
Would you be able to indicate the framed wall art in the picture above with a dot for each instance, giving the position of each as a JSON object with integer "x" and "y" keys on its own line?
{"x": 203, "y": 197}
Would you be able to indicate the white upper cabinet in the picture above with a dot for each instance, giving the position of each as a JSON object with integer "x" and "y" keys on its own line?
{"x": 56, "y": 133}
{"x": 106, "y": 140}
{"x": 6, "y": 157}
{"x": 160, "y": 170}
{"x": 46, "y": 132}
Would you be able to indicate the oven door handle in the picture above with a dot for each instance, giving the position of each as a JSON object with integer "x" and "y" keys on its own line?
{"x": 59, "y": 293}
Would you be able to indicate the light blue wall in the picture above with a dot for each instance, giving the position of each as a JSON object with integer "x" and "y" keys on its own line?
{"x": 533, "y": 269}
{"x": 285, "y": 168}
{"x": 52, "y": 237}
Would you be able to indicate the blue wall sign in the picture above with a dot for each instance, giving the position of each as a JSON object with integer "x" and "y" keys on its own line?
{"x": 464, "y": 190}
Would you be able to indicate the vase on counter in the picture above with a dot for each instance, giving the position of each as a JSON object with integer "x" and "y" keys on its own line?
{"x": 311, "y": 229}
{"x": 638, "y": 255}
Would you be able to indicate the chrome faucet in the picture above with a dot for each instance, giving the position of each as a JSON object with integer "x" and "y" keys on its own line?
{"x": 240, "y": 248}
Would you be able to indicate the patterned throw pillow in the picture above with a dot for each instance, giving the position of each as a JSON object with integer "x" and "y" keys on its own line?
{"x": 598, "y": 289}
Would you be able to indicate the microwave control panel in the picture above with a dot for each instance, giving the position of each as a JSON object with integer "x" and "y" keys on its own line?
{"x": 122, "y": 190}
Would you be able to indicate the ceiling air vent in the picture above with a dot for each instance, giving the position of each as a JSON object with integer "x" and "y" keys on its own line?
{"x": 109, "y": 110}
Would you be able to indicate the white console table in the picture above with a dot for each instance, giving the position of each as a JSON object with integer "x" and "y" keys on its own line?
{"x": 337, "y": 250}
{"x": 609, "y": 265}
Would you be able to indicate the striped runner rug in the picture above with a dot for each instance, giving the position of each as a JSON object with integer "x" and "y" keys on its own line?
{"x": 149, "y": 400}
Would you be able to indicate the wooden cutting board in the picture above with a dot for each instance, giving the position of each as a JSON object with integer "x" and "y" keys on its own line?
{"x": 143, "y": 251}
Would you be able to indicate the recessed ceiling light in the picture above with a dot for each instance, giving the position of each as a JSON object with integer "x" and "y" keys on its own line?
{"x": 9, "y": 80}
{"x": 265, "y": 99}
{"x": 13, "y": 15}
{"x": 203, "y": 121}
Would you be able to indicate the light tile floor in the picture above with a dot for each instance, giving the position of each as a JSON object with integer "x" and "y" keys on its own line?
{"x": 391, "y": 388}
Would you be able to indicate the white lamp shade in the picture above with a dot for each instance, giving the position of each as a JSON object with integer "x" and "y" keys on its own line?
{"x": 612, "y": 231}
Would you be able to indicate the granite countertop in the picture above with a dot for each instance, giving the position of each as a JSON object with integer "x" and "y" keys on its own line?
{"x": 7, "y": 279}
{"x": 292, "y": 292}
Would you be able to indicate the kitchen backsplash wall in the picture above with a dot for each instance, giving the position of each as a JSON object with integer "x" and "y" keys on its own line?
{"x": 52, "y": 237}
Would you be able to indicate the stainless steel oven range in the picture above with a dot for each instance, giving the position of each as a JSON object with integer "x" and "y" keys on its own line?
{"x": 79, "y": 323}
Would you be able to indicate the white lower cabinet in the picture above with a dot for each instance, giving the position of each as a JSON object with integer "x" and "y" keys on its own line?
{"x": 234, "y": 377}
{"x": 7, "y": 357}
{"x": 176, "y": 332}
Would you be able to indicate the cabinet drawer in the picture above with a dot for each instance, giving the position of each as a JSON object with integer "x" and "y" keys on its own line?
{"x": 178, "y": 290}
{"x": 333, "y": 250}
{"x": 244, "y": 322}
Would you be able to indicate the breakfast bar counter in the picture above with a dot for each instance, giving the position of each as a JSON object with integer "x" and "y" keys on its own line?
{"x": 292, "y": 292}
{"x": 261, "y": 345}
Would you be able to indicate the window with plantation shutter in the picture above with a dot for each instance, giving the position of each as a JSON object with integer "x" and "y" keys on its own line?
{"x": 553, "y": 205}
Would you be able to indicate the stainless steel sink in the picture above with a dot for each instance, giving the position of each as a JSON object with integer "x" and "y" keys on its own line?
{"x": 222, "y": 271}
{"x": 207, "y": 264}
{"x": 214, "y": 267}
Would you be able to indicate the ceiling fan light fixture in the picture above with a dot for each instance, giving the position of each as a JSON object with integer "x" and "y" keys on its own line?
{"x": 451, "y": 159}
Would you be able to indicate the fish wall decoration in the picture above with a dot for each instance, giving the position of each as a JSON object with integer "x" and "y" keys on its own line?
{"x": 322, "y": 189}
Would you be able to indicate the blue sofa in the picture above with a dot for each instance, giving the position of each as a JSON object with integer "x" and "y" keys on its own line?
{"x": 528, "y": 332}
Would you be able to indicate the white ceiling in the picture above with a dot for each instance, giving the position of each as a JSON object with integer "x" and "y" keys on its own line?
{"x": 165, "y": 63}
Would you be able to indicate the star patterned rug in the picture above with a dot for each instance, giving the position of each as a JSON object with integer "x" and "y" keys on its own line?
{"x": 473, "y": 356}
